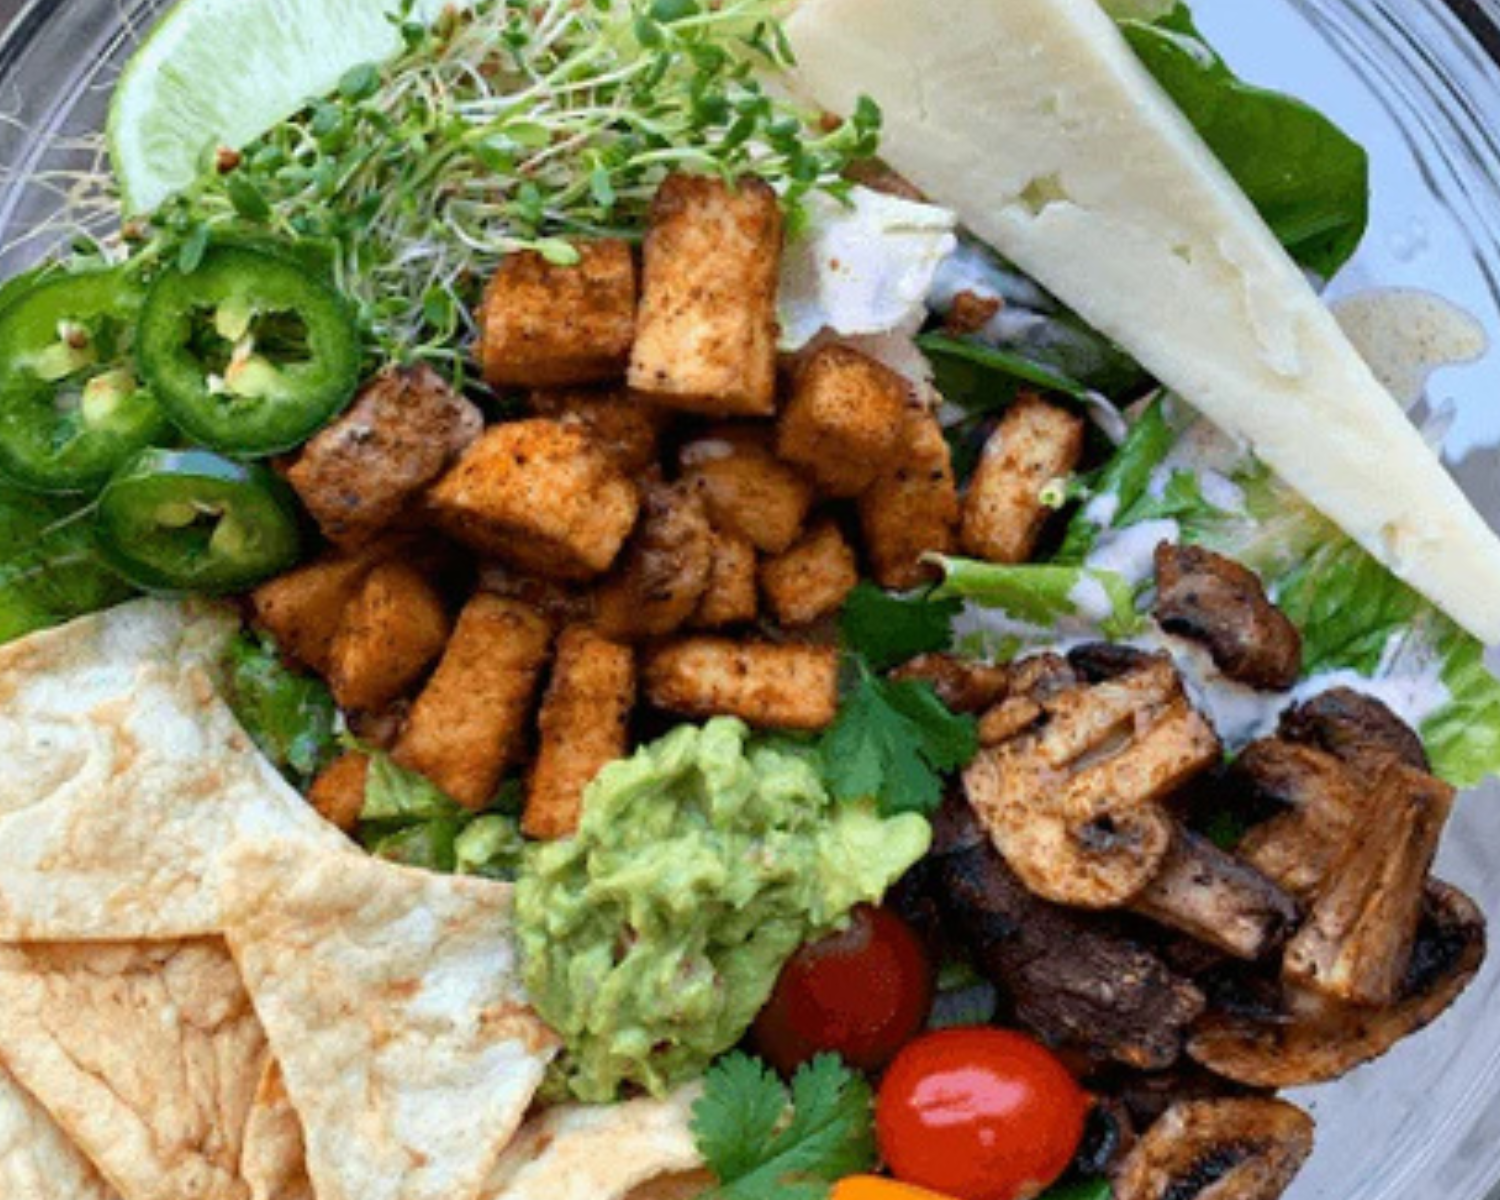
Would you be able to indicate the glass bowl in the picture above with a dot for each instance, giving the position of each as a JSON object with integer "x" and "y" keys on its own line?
{"x": 1417, "y": 82}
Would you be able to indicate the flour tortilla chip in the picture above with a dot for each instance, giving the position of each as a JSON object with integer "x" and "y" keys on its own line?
{"x": 392, "y": 1002}
{"x": 274, "y": 1160}
{"x": 125, "y": 778}
{"x": 147, "y": 1056}
{"x": 598, "y": 1152}
{"x": 689, "y": 1186}
{"x": 37, "y": 1162}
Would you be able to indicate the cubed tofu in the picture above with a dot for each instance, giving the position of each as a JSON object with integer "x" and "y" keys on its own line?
{"x": 731, "y": 597}
{"x": 706, "y": 333}
{"x": 392, "y": 631}
{"x": 665, "y": 568}
{"x": 769, "y": 685}
{"x": 362, "y": 474}
{"x": 843, "y": 420}
{"x": 468, "y": 727}
{"x": 748, "y": 491}
{"x": 338, "y": 793}
{"x": 303, "y": 609}
{"x": 583, "y": 727}
{"x": 1003, "y": 513}
{"x": 624, "y": 424}
{"x": 812, "y": 579}
{"x": 912, "y": 509}
{"x": 548, "y": 325}
{"x": 541, "y": 496}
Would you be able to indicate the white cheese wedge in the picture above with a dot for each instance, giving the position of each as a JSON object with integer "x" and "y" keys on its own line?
{"x": 1033, "y": 121}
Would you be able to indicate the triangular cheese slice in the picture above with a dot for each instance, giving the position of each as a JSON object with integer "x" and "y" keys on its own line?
{"x": 393, "y": 1004}
{"x": 1034, "y": 121}
{"x": 146, "y": 1055}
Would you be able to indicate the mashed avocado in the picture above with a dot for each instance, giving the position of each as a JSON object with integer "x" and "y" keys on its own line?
{"x": 652, "y": 939}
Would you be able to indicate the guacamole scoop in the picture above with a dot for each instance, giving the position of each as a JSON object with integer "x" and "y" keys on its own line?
{"x": 651, "y": 939}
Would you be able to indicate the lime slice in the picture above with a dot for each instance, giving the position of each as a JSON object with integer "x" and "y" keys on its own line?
{"x": 221, "y": 72}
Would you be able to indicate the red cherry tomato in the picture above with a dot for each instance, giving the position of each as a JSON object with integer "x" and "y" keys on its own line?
{"x": 980, "y": 1114}
{"x": 863, "y": 993}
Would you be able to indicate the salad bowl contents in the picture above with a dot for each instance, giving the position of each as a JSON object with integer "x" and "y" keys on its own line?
{"x": 661, "y": 599}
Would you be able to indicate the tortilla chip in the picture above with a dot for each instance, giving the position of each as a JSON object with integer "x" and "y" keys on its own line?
{"x": 147, "y": 1055}
{"x": 126, "y": 777}
{"x": 274, "y": 1162}
{"x": 392, "y": 1002}
{"x": 36, "y": 1159}
{"x": 593, "y": 1152}
{"x": 691, "y": 1186}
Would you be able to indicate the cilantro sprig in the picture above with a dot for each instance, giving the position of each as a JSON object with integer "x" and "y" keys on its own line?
{"x": 765, "y": 1142}
{"x": 886, "y": 630}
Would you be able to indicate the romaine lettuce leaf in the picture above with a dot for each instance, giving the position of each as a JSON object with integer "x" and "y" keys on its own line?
{"x": 290, "y": 716}
{"x": 1044, "y": 601}
{"x": 409, "y": 819}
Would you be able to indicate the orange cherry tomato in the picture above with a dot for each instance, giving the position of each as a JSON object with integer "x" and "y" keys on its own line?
{"x": 979, "y": 1114}
{"x": 873, "y": 1187}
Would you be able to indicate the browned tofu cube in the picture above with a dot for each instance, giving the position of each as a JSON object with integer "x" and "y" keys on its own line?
{"x": 541, "y": 496}
{"x": 547, "y": 325}
{"x": 583, "y": 727}
{"x": 912, "y": 508}
{"x": 748, "y": 491}
{"x": 730, "y": 598}
{"x": 772, "y": 686}
{"x": 468, "y": 727}
{"x": 706, "y": 334}
{"x": 391, "y": 632}
{"x": 303, "y": 609}
{"x": 665, "y": 568}
{"x": 362, "y": 473}
{"x": 1003, "y": 514}
{"x": 338, "y": 793}
{"x": 843, "y": 420}
{"x": 623, "y": 424}
{"x": 812, "y": 579}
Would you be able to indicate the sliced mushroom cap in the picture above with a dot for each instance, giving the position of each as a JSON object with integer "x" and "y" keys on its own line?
{"x": 963, "y": 685}
{"x": 1211, "y": 599}
{"x": 1312, "y": 1040}
{"x": 1247, "y": 1149}
{"x": 1354, "y": 727}
{"x": 1218, "y": 899}
{"x": 1357, "y": 940}
{"x": 1074, "y": 803}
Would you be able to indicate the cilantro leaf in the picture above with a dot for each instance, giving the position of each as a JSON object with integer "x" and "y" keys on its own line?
{"x": 887, "y": 630}
{"x": 759, "y": 1151}
{"x": 891, "y": 742}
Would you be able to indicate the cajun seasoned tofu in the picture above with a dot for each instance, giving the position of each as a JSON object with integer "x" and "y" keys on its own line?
{"x": 303, "y": 609}
{"x": 748, "y": 491}
{"x": 912, "y": 508}
{"x": 769, "y": 685}
{"x": 392, "y": 631}
{"x": 1003, "y": 513}
{"x": 362, "y": 473}
{"x": 541, "y": 496}
{"x": 624, "y": 425}
{"x": 706, "y": 334}
{"x": 812, "y": 579}
{"x": 665, "y": 568}
{"x": 548, "y": 325}
{"x": 583, "y": 727}
{"x": 468, "y": 727}
{"x": 843, "y": 420}
{"x": 338, "y": 793}
{"x": 731, "y": 597}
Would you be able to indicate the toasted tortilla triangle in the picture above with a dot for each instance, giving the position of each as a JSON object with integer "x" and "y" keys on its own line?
{"x": 36, "y": 1158}
{"x": 274, "y": 1159}
{"x": 598, "y": 1152}
{"x": 392, "y": 1001}
{"x": 146, "y": 1055}
{"x": 126, "y": 777}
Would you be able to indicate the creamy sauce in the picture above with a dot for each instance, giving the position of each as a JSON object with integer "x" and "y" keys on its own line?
{"x": 1406, "y": 335}
{"x": 1129, "y": 553}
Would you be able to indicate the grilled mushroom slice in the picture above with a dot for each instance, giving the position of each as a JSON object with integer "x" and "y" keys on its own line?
{"x": 1357, "y": 940}
{"x": 1353, "y": 727}
{"x": 963, "y": 685}
{"x": 1073, "y": 801}
{"x": 1211, "y": 599}
{"x": 664, "y": 569}
{"x": 1313, "y": 1040}
{"x": 1244, "y": 1149}
{"x": 1218, "y": 899}
{"x": 1070, "y": 979}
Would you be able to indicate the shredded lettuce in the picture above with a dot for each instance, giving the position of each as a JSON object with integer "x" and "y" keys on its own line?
{"x": 1041, "y": 602}
{"x": 290, "y": 716}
